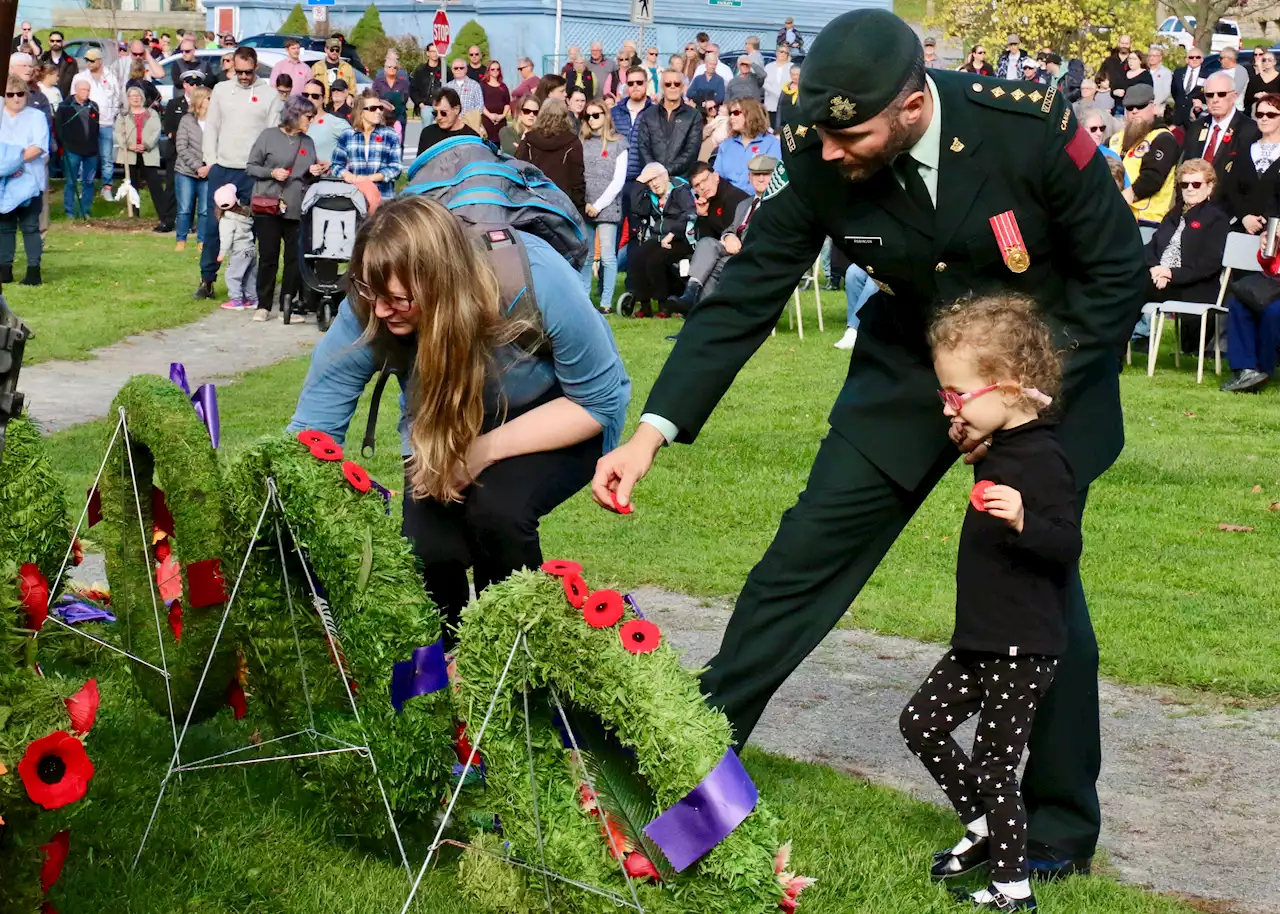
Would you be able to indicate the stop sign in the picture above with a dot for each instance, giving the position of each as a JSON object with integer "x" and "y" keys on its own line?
{"x": 440, "y": 31}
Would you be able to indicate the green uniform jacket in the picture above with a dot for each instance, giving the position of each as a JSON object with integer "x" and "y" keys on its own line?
{"x": 1004, "y": 146}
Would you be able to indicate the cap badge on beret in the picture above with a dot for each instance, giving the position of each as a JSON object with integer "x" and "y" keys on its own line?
{"x": 842, "y": 109}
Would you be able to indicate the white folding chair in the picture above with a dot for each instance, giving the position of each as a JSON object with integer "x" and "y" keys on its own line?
{"x": 1147, "y": 232}
{"x": 809, "y": 278}
{"x": 1240, "y": 253}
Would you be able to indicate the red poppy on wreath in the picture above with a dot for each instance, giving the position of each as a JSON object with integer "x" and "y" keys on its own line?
{"x": 604, "y": 609}
{"x": 235, "y": 698}
{"x": 356, "y": 475}
{"x": 1195, "y": 225}
{"x": 575, "y": 590}
{"x": 34, "y": 589}
{"x": 83, "y": 707}
{"x": 55, "y": 857}
{"x": 56, "y": 770}
{"x": 77, "y": 551}
{"x": 560, "y": 567}
{"x": 640, "y": 636}
{"x": 175, "y": 619}
{"x": 639, "y": 866}
{"x": 311, "y": 438}
{"x": 47, "y": 908}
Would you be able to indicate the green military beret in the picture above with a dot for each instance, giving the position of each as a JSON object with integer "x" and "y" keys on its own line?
{"x": 857, "y": 65}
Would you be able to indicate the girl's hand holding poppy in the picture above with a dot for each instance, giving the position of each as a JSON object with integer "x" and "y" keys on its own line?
{"x": 1005, "y": 503}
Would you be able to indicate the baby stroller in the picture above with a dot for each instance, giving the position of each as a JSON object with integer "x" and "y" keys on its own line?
{"x": 331, "y": 213}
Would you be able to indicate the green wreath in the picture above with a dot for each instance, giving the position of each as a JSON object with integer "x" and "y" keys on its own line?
{"x": 33, "y": 501}
{"x": 380, "y": 613}
{"x": 168, "y": 440}
{"x": 650, "y": 706}
{"x": 44, "y": 768}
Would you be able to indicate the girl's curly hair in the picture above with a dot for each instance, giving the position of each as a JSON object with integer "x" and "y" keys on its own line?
{"x": 1008, "y": 338}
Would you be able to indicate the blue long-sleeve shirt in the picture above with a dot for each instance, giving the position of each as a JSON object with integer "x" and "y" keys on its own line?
{"x": 735, "y": 152}
{"x": 584, "y": 360}
{"x": 24, "y": 180}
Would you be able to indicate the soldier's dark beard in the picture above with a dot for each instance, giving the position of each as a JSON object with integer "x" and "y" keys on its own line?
{"x": 1135, "y": 129}
{"x": 899, "y": 139}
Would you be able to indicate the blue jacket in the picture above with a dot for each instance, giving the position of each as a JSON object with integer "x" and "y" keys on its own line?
{"x": 734, "y": 154}
{"x": 707, "y": 85}
{"x": 584, "y": 360}
{"x": 625, "y": 124}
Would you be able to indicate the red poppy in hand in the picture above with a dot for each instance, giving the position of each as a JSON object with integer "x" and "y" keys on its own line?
{"x": 604, "y": 609}
{"x": 978, "y": 494}
{"x": 640, "y": 636}
{"x": 356, "y": 475}
{"x": 83, "y": 707}
{"x": 56, "y": 770}
{"x": 55, "y": 857}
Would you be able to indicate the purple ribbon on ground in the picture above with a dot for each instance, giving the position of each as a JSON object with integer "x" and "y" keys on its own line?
{"x": 205, "y": 401}
{"x": 427, "y": 672}
{"x": 630, "y": 600}
{"x": 707, "y": 814}
{"x": 76, "y": 612}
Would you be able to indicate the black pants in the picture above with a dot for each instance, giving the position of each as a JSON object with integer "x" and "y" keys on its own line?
{"x": 167, "y": 208}
{"x": 153, "y": 177}
{"x": 826, "y": 548}
{"x": 1004, "y": 693}
{"x": 494, "y": 529}
{"x": 25, "y": 219}
{"x": 651, "y": 268}
{"x": 274, "y": 232}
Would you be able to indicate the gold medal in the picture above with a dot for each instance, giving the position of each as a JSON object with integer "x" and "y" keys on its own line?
{"x": 1009, "y": 241}
{"x": 1017, "y": 260}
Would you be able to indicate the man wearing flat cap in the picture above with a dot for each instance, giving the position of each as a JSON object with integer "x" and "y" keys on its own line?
{"x": 911, "y": 174}
{"x": 1149, "y": 151}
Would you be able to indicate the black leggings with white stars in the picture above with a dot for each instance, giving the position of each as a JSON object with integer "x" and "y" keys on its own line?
{"x": 1003, "y": 692}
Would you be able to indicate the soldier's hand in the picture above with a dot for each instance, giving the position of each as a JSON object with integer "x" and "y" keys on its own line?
{"x": 618, "y": 471}
{"x": 973, "y": 450}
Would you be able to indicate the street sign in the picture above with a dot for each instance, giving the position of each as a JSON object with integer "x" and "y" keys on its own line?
{"x": 440, "y": 31}
{"x": 642, "y": 12}
{"x": 320, "y": 3}
{"x": 320, "y": 14}
{"x": 733, "y": 3}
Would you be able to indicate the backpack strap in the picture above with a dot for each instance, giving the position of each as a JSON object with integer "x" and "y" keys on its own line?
{"x": 510, "y": 261}
{"x": 367, "y": 446}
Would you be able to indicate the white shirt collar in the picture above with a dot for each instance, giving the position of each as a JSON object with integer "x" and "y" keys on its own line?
{"x": 1225, "y": 123}
{"x": 928, "y": 148}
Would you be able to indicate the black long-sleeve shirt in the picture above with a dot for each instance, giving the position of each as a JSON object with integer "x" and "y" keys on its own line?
{"x": 1011, "y": 588}
{"x": 1156, "y": 165}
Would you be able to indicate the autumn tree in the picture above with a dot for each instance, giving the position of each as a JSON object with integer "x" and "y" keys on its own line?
{"x": 1073, "y": 28}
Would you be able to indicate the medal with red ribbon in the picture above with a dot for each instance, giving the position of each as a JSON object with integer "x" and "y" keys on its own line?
{"x": 1009, "y": 237}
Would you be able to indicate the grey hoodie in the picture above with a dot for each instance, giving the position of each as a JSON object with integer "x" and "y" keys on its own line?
{"x": 237, "y": 116}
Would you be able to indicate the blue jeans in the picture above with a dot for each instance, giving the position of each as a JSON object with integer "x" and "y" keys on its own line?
{"x": 858, "y": 289}
{"x": 607, "y": 232}
{"x": 82, "y": 169}
{"x": 106, "y": 153}
{"x": 193, "y": 195}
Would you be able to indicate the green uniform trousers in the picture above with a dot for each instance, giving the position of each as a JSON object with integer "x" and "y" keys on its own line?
{"x": 826, "y": 548}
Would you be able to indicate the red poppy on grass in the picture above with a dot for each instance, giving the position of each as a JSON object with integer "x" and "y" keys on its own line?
{"x": 55, "y": 856}
{"x": 356, "y": 475}
{"x": 163, "y": 550}
{"x": 83, "y": 707}
{"x": 175, "y": 619}
{"x": 34, "y": 589}
{"x": 640, "y": 636}
{"x": 56, "y": 770}
{"x": 561, "y": 567}
{"x": 575, "y": 590}
{"x": 603, "y": 609}
{"x": 47, "y": 908}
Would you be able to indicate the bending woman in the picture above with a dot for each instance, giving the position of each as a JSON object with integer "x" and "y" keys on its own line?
{"x": 505, "y": 410}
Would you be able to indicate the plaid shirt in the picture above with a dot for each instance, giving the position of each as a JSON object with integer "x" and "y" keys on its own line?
{"x": 360, "y": 158}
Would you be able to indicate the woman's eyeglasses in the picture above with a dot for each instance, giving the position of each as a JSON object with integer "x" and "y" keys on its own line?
{"x": 1191, "y": 185}
{"x": 395, "y": 302}
{"x": 529, "y": 111}
{"x": 1097, "y": 128}
{"x": 595, "y": 116}
{"x": 15, "y": 95}
{"x": 1267, "y": 115}
{"x": 736, "y": 112}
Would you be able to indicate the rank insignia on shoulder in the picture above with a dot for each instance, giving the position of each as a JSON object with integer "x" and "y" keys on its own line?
{"x": 1018, "y": 95}
{"x": 777, "y": 182}
{"x": 997, "y": 92}
{"x": 802, "y": 130}
{"x": 1035, "y": 96}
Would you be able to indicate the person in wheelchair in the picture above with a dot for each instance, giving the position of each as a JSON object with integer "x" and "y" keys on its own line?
{"x": 662, "y": 209}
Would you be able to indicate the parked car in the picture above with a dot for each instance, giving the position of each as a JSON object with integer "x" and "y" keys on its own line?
{"x": 272, "y": 41}
{"x": 78, "y": 47}
{"x": 730, "y": 58}
{"x": 1226, "y": 34}
{"x": 1213, "y": 62}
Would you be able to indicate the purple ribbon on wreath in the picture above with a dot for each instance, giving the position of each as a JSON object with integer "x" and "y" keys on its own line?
{"x": 706, "y": 815}
{"x": 205, "y": 401}
{"x": 74, "y": 612}
{"x": 425, "y": 673}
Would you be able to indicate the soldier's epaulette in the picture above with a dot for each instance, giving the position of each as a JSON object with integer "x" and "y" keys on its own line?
{"x": 1007, "y": 95}
{"x": 798, "y": 136}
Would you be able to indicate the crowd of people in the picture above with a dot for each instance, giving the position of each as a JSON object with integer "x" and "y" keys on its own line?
{"x": 639, "y": 144}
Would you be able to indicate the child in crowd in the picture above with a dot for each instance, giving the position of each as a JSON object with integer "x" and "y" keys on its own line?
{"x": 235, "y": 236}
{"x": 1019, "y": 543}
{"x": 284, "y": 86}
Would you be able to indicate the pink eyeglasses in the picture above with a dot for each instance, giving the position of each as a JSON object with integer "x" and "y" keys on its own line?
{"x": 955, "y": 402}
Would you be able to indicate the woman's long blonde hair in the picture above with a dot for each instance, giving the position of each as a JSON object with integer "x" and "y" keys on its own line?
{"x": 459, "y": 325}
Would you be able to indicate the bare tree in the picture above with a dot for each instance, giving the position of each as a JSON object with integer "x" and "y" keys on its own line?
{"x": 1206, "y": 14}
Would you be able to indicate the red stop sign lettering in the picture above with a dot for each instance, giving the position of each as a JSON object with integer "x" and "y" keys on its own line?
{"x": 440, "y": 31}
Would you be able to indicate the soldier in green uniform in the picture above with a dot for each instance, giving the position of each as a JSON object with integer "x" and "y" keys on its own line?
{"x": 937, "y": 186}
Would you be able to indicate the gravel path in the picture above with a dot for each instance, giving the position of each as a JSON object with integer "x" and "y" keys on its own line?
{"x": 64, "y": 393}
{"x": 1188, "y": 791}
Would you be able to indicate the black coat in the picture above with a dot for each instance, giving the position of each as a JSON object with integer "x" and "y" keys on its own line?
{"x": 1086, "y": 274}
{"x": 1247, "y": 193}
{"x": 76, "y": 126}
{"x": 650, "y": 222}
{"x": 1242, "y": 132}
{"x": 67, "y": 70}
{"x": 426, "y": 82}
{"x": 1203, "y": 241}
{"x": 1184, "y": 101}
{"x": 671, "y": 141}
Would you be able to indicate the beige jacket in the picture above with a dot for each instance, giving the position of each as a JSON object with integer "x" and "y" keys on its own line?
{"x": 126, "y": 135}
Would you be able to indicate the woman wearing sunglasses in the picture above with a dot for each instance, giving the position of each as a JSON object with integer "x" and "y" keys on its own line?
{"x": 370, "y": 149}
{"x": 510, "y": 135}
{"x": 504, "y": 410}
{"x": 24, "y": 147}
{"x": 976, "y": 62}
{"x": 604, "y": 155}
{"x": 1184, "y": 256}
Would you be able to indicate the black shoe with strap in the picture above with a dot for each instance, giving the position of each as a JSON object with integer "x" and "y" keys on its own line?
{"x": 947, "y": 865}
{"x": 998, "y": 902}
